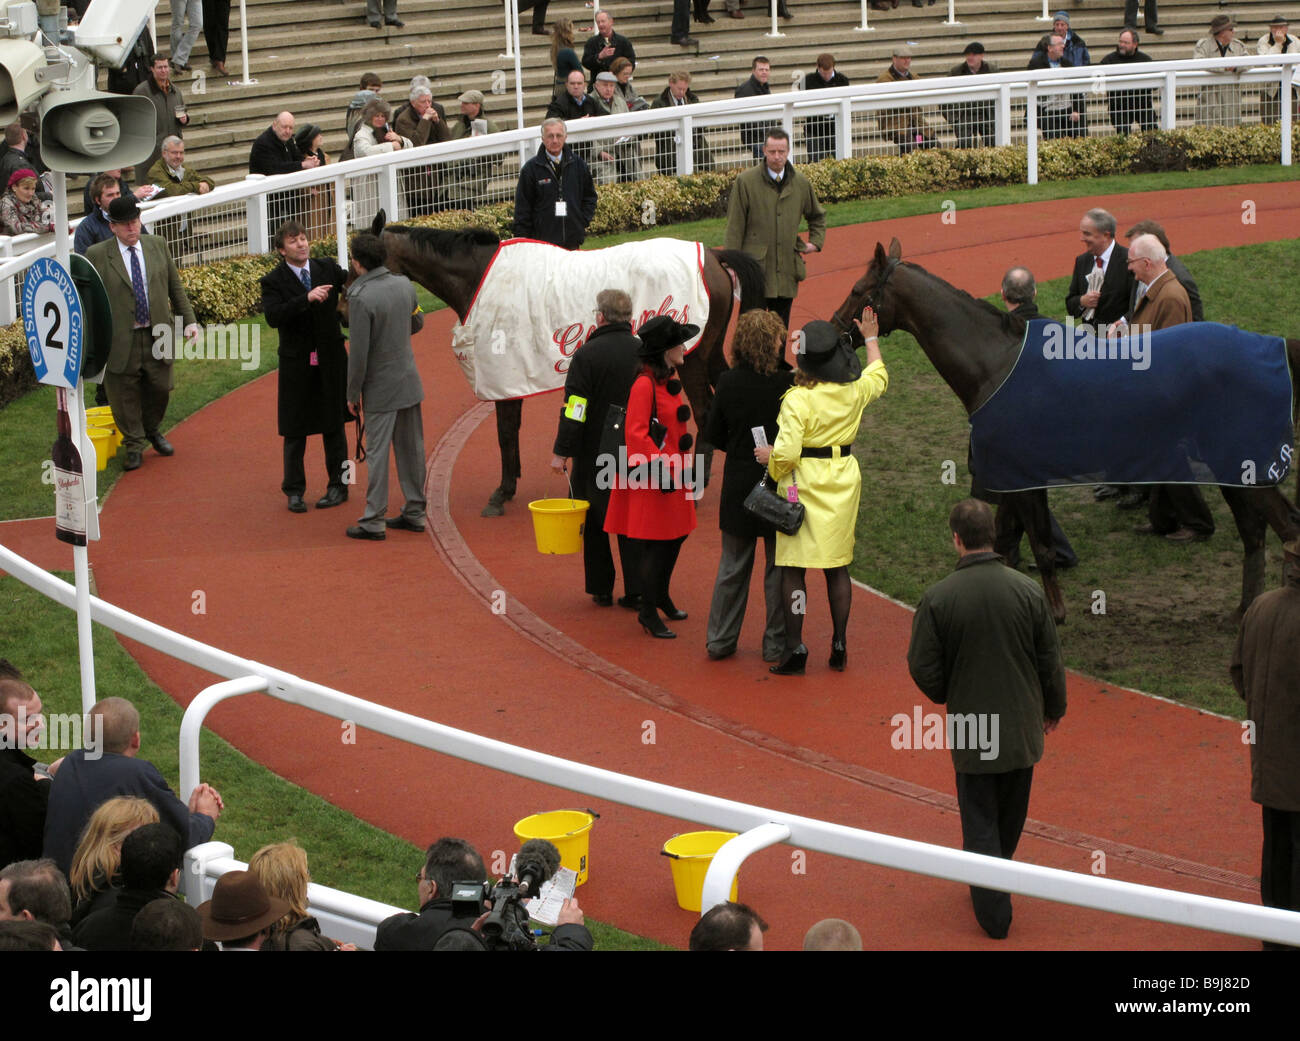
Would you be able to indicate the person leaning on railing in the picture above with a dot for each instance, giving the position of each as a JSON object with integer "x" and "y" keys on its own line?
{"x": 467, "y": 179}
{"x": 1220, "y": 104}
{"x": 21, "y": 212}
{"x": 1276, "y": 41}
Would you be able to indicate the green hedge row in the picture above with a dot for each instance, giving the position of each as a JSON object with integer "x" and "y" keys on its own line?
{"x": 227, "y": 290}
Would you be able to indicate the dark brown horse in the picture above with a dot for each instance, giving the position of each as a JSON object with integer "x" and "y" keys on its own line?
{"x": 451, "y": 264}
{"x": 967, "y": 342}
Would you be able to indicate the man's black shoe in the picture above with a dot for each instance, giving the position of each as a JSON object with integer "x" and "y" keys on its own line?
{"x": 133, "y": 461}
{"x": 685, "y": 41}
{"x": 632, "y": 601}
{"x": 160, "y": 444}
{"x": 334, "y": 496}
{"x": 358, "y": 532}
{"x": 395, "y": 22}
{"x": 296, "y": 505}
{"x": 400, "y": 523}
{"x": 603, "y": 599}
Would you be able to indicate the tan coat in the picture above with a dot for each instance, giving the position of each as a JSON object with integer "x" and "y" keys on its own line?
{"x": 1164, "y": 304}
{"x": 763, "y": 219}
{"x": 1221, "y": 105}
{"x": 896, "y": 122}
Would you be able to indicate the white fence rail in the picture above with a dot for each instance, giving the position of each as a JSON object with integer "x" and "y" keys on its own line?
{"x": 768, "y": 825}
{"x": 844, "y": 122}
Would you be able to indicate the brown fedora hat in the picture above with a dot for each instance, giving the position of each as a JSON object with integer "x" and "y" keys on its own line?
{"x": 1220, "y": 22}
{"x": 239, "y": 907}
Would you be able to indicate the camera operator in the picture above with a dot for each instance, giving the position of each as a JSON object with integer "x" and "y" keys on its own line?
{"x": 447, "y": 862}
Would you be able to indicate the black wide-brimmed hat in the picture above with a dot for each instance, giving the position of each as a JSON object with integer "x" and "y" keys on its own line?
{"x": 827, "y": 354}
{"x": 661, "y": 332}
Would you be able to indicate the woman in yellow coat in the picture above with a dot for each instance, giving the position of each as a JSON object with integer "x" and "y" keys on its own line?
{"x": 817, "y": 426}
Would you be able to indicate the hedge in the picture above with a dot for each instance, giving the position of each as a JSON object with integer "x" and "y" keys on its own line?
{"x": 227, "y": 290}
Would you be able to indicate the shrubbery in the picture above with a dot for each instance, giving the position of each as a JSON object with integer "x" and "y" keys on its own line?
{"x": 227, "y": 290}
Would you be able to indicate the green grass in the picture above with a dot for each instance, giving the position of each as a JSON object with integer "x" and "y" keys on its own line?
{"x": 40, "y": 638}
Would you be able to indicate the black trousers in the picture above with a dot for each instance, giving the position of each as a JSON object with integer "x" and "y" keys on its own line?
{"x": 781, "y": 306}
{"x": 216, "y": 28}
{"x": 295, "y": 476}
{"x": 1175, "y": 506}
{"x": 539, "y": 10}
{"x": 993, "y": 810}
{"x": 1279, "y": 869}
{"x": 1148, "y": 12}
{"x": 681, "y": 19}
{"x": 597, "y": 557}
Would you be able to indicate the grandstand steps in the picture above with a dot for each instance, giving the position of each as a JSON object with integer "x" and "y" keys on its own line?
{"x": 308, "y": 57}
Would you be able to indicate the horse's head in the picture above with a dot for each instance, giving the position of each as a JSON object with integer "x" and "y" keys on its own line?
{"x": 871, "y": 291}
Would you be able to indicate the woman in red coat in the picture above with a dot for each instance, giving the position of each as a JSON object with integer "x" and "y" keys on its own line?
{"x": 652, "y": 500}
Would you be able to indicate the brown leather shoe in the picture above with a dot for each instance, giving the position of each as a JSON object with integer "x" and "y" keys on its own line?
{"x": 735, "y": 14}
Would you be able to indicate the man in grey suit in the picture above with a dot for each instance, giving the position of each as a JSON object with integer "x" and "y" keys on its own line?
{"x": 144, "y": 291}
{"x": 383, "y": 313}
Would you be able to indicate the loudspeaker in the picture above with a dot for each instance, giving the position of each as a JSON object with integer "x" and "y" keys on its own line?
{"x": 86, "y": 131}
{"x": 20, "y": 61}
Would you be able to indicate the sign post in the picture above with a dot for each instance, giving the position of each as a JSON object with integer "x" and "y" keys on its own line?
{"x": 54, "y": 323}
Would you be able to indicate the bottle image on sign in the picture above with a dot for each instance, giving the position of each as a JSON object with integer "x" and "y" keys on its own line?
{"x": 69, "y": 491}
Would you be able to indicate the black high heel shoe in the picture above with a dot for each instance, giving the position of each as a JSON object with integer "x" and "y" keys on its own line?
{"x": 656, "y": 628}
{"x": 672, "y": 612}
{"x": 839, "y": 655}
{"x": 793, "y": 664}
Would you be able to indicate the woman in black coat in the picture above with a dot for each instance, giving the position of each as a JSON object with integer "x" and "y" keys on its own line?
{"x": 748, "y": 395}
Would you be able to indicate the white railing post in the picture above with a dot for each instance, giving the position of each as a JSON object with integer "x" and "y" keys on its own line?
{"x": 1002, "y": 128}
{"x": 9, "y": 287}
{"x": 726, "y": 862}
{"x": 1169, "y": 102}
{"x": 510, "y": 34}
{"x": 247, "y": 81}
{"x": 775, "y": 34}
{"x": 844, "y": 135}
{"x": 1288, "y": 108}
{"x": 257, "y": 217}
{"x": 1031, "y": 130}
{"x": 1046, "y": 16}
{"x": 341, "y": 220}
{"x": 389, "y": 196}
{"x": 197, "y": 859}
{"x": 192, "y": 724}
{"x": 864, "y": 27}
{"x": 685, "y": 146}
{"x": 952, "y": 13}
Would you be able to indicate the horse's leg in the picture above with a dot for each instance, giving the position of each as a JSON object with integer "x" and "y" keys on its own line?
{"x": 1252, "y": 526}
{"x": 1032, "y": 513}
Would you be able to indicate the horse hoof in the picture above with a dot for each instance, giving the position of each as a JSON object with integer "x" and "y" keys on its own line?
{"x": 493, "y": 509}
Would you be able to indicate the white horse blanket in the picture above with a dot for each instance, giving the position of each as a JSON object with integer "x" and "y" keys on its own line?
{"x": 535, "y": 306}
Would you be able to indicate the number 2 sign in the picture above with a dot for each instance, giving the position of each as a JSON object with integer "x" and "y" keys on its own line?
{"x": 53, "y": 323}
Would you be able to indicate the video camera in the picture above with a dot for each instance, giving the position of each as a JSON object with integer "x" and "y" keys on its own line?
{"x": 506, "y": 924}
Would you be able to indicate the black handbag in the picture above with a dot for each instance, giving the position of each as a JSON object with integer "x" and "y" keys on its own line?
{"x": 766, "y": 503}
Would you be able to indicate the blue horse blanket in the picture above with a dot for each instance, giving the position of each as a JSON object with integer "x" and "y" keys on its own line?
{"x": 1194, "y": 404}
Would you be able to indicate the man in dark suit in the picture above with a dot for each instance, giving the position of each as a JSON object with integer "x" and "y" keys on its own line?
{"x": 383, "y": 314}
{"x": 144, "y": 292}
{"x": 1110, "y": 301}
{"x": 276, "y": 152}
{"x": 300, "y": 298}
{"x": 600, "y": 374}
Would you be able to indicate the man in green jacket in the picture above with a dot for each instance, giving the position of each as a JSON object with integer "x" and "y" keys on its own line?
{"x": 768, "y": 202}
{"x": 984, "y": 645}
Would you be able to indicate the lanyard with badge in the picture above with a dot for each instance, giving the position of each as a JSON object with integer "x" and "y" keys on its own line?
{"x": 561, "y": 207}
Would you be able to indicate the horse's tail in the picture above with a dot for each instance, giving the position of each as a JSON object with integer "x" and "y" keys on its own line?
{"x": 749, "y": 273}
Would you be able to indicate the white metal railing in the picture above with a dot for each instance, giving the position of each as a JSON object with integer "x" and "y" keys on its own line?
{"x": 767, "y": 825}
{"x": 240, "y": 218}
{"x": 343, "y": 916}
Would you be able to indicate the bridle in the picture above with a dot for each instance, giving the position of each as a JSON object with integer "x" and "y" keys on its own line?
{"x": 872, "y": 299}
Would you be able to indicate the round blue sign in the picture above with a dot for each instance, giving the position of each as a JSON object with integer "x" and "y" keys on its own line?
{"x": 53, "y": 322}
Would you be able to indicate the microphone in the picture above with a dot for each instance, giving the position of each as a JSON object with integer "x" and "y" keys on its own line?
{"x": 537, "y": 862}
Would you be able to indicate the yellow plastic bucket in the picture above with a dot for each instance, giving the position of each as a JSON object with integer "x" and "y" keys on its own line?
{"x": 691, "y": 853}
{"x": 570, "y": 830}
{"x": 102, "y": 439}
{"x": 558, "y": 524}
{"x": 102, "y": 418}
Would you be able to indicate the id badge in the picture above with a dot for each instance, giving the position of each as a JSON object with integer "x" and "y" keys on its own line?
{"x": 561, "y": 208}
{"x": 313, "y": 360}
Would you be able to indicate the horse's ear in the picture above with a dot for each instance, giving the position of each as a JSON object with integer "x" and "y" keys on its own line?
{"x": 377, "y": 225}
{"x": 895, "y": 249}
{"x": 880, "y": 257}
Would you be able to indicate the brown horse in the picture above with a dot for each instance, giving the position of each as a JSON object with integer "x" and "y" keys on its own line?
{"x": 967, "y": 343}
{"x": 451, "y": 264}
